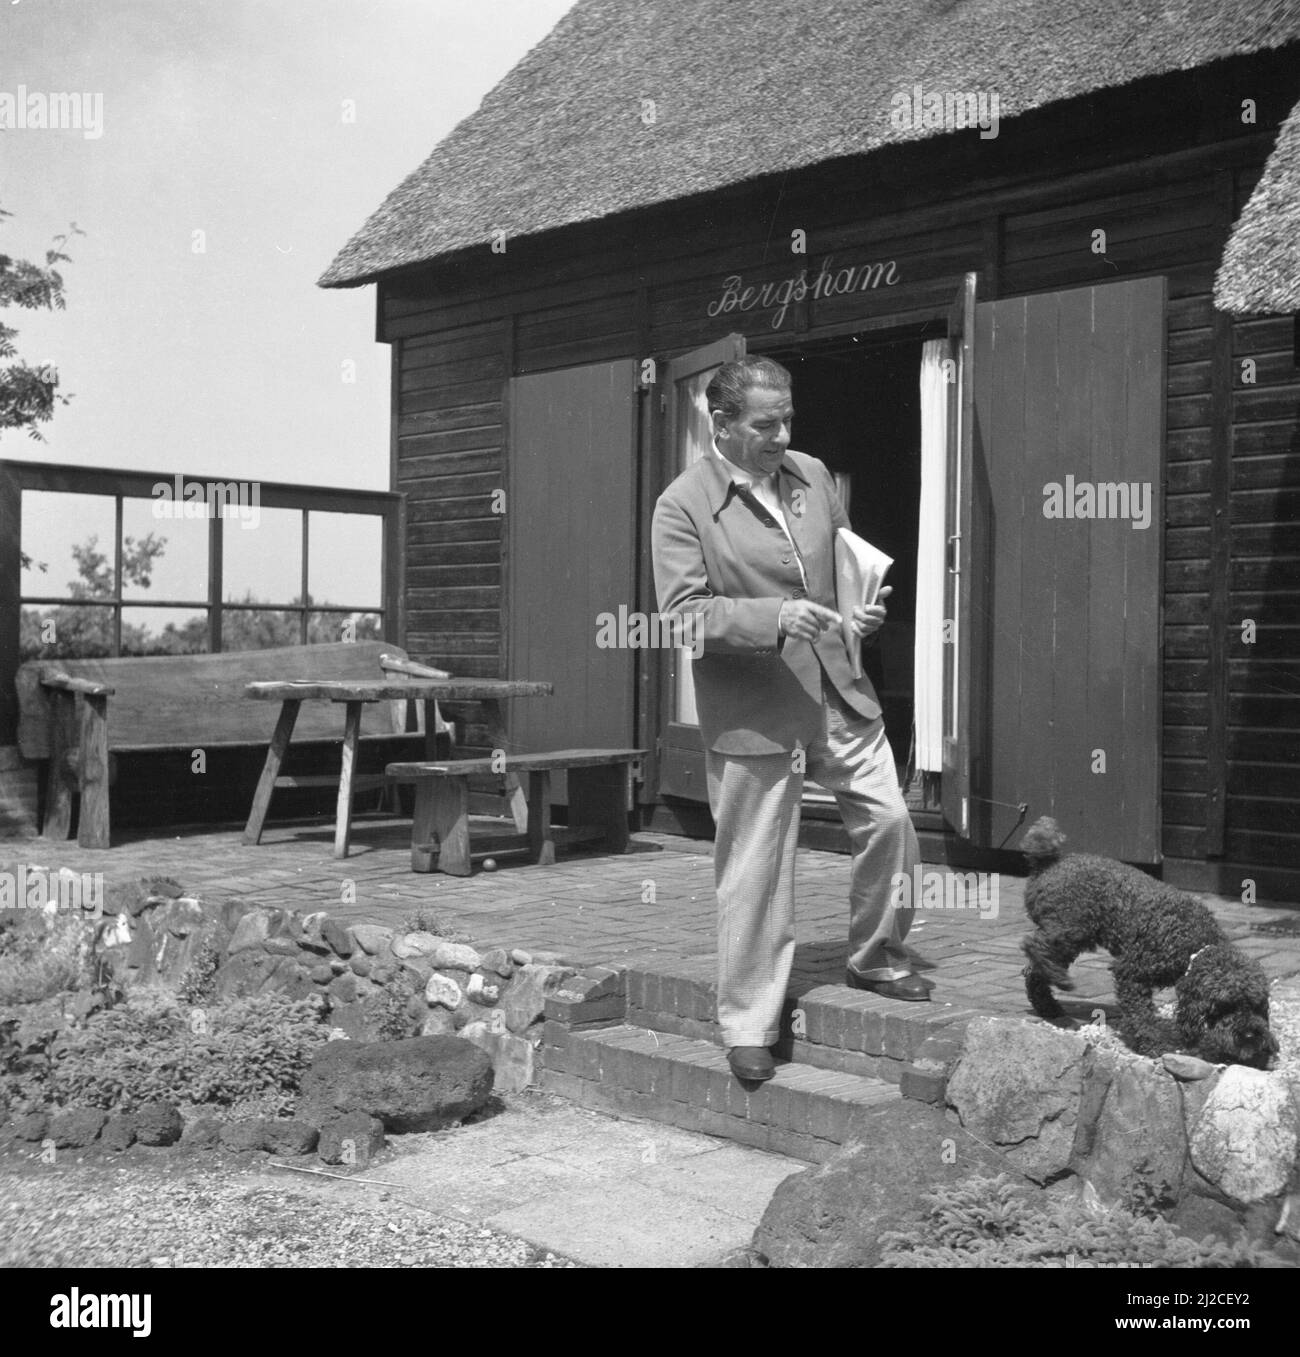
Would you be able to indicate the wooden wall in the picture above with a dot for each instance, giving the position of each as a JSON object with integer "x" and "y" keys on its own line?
{"x": 1161, "y": 168}
{"x": 448, "y": 459}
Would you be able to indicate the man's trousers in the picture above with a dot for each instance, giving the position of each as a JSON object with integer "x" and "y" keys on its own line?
{"x": 755, "y": 802}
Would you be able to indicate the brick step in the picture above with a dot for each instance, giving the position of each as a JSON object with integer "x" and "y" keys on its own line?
{"x": 804, "y": 1112}
{"x": 830, "y": 1027}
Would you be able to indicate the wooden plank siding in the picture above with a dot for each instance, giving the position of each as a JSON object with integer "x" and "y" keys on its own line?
{"x": 449, "y": 460}
{"x": 1021, "y": 211}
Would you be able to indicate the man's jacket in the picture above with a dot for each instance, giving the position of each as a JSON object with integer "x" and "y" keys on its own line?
{"x": 719, "y": 555}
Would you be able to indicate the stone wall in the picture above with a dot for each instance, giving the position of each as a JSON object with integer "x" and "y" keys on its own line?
{"x": 379, "y": 983}
{"x": 1216, "y": 1147}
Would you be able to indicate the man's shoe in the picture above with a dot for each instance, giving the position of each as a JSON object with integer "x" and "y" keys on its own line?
{"x": 911, "y": 987}
{"x": 752, "y": 1064}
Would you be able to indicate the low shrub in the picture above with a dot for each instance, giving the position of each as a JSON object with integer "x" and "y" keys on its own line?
{"x": 156, "y": 1049}
{"x": 992, "y": 1223}
{"x": 42, "y": 955}
{"x": 198, "y": 982}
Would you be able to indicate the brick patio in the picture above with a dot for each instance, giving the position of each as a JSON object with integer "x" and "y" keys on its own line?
{"x": 653, "y": 906}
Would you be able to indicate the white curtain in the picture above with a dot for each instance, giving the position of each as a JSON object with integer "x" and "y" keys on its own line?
{"x": 930, "y": 558}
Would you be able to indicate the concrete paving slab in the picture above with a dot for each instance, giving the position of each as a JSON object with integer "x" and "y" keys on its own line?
{"x": 731, "y": 1178}
{"x": 636, "y": 1226}
{"x": 604, "y": 1190}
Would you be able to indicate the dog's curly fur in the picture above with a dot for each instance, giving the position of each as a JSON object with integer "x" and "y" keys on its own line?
{"x": 1157, "y": 937}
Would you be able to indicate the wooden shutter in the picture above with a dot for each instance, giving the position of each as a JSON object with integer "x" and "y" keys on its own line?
{"x": 1063, "y": 690}
{"x": 571, "y": 530}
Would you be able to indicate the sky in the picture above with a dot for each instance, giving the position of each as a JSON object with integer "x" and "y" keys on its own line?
{"x": 242, "y": 143}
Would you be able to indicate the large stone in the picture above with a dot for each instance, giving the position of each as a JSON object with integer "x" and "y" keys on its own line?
{"x": 351, "y": 1140}
{"x": 416, "y": 944}
{"x": 180, "y": 917}
{"x": 456, "y": 956}
{"x": 139, "y": 956}
{"x": 833, "y": 1215}
{"x": 343, "y": 989}
{"x": 310, "y": 933}
{"x": 76, "y": 1127}
{"x": 524, "y": 1000}
{"x": 512, "y": 1056}
{"x": 204, "y": 1133}
{"x": 1246, "y": 1137}
{"x": 371, "y": 938}
{"x": 1189, "y": 1068}
{"x": 1197, "y": 1216}
{"x": 442, "y": 989}
{"x": 1017, "y": 1086}
{"x": 31, "y": 1126}
{"x": 338, "y": 937}
{"x": 245, "y": 1136}
{"x": 250, "y": 932}
{"x": 287, "y": 947}
{"x": 118, "y": 1132}
{"x": 158, "y": 1123}
{"x": 257, "y": 972}
{"x": 437, "y": 1022}
{"x": 417, "y": 1084}
{"x": 497, "y": 960}
{"x": 285, "y": 1136}
{"x": 1130, "y": 1144}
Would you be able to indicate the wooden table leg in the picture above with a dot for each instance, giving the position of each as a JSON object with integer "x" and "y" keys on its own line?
{"x": 494, "y": 720}
{"x": 598, "y": 796}
{"x": 343, "y": 819}
{"x": 451, "y": 824}
{"x": 541, "y": 841}
{"x": 92, "y": 823}
{"x": 271, "y": 770}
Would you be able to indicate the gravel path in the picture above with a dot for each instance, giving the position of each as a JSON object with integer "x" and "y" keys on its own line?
{"x": 197, "y": 1214}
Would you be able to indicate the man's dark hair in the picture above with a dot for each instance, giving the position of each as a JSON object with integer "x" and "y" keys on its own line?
{"x": 726, "y": 392}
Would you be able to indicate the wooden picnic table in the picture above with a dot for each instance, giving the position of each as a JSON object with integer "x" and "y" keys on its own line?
{"x": 489, "y": 693}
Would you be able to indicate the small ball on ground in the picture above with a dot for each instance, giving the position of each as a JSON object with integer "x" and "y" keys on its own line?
{"x": 489, "y": 864}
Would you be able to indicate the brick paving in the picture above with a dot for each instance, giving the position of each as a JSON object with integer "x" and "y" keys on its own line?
{"x": 654, "y": 904}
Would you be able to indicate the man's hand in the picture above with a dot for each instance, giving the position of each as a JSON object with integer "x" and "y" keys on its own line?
{"x": 804, "y": 620}
{"x": 868, "y": 620}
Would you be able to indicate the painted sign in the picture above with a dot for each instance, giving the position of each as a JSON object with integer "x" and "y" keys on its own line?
{"x": 828, "y": 282}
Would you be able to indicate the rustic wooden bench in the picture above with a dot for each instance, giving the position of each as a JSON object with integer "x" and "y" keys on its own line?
{"x": 188, "y": 702}
{"x": 599, "y": 791}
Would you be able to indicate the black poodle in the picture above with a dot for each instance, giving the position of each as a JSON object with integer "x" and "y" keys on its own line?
{"x": 1158, "y": 936}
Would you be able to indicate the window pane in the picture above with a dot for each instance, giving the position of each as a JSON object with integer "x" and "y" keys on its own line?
{"x": 179, "y": 568}
{"x": 80, "y": 632}
{"x": 164, "y": 631}
{"x": 345, "y": 559}
{"x": 344, "y": 627}
{"x": 262, "y": 558}
{"x": 56, "y": 526}
{"x": 261, "y": 629}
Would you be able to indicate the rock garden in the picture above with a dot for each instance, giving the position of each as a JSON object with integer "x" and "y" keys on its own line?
{"x": 170, "y": 1020}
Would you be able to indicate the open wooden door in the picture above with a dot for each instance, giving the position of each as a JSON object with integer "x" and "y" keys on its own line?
{"x": 959, "y": 738}
{"x": 686, "y": 436}
{"x": 1052, "y": 699}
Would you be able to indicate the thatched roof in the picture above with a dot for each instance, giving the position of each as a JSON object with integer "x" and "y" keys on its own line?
{"x": 747, "y": 88}
{"x": 1261, "y": 266}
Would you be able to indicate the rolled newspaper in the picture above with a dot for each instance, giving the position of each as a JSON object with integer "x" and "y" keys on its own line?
{"x": 860, "y": 570}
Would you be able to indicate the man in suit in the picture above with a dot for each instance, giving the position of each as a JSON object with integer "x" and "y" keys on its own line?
{"x": 743, "y": 542}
